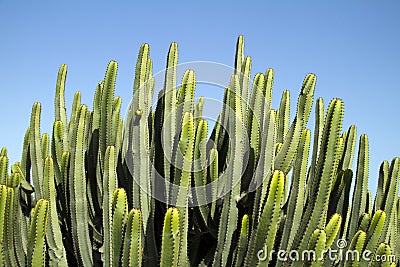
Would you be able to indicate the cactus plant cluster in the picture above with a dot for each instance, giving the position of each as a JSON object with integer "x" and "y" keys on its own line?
{"x": 84, "y": 195}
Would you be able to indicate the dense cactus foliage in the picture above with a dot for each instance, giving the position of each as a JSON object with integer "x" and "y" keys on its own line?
{"x": 105, "y": 191}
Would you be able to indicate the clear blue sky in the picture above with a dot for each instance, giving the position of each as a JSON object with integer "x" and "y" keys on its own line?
{"x": 352, "y": 46}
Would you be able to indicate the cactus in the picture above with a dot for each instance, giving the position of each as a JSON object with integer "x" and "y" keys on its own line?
{"x": 66, "y": 202}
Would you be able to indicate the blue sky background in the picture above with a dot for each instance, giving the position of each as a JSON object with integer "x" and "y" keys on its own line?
{"x": 352, "y": 46}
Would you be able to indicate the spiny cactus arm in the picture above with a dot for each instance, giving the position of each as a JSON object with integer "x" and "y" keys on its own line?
{"x": 36, "y": 246}
{"x": 397, "y": 251}
{"x": 364, "y": 222}
{"x": 25, "y": 159}
{"x": 76, "y": 104}
{"x": 57, "y": 149}
{"x": 3, "y": 170}
{"x": 183, "y": 169}
{"x": 55, "y": 247}
{"x": 332, "y": 229}
{"x": 115, "y": 128}
{"x": 45, "y": 145}
{"x": 106, "y": 111}
{"x": 356, "y": 245}
{"x": 264, "y": 167}
{"x": 255, "y": 114}
{"x": 138, "y": 126}
{"x": 267, "y": 91}
{"x": 243, "y": 241}
{"x": 244, "y": 79}
{"x": 283, "y": 117}
{"x": 316, "y": 209}
{"x": 109, "y": 185}
{"x": 35, "y": 150}
{"x": 3, "y": 220}
{"x": 390, "y": 197}
{"x": 97, "y": 105}
{"x": 296, "y": 202}
{"x": 318, "y": 130}
{"x": 6, "y": 226}
{"x": 267, "y": 227}
{"x": 3, "y": 151}
{"x": 200, "y": 168}
{"x": 169, "y": 112}
{"x": 133, "y": 247}
{"x": 318, "y": 244}
{"x": 382, "y": 181}
{"x": 119, "y": 218}
{"x": 232, "y": 176}
{"x": 359, "y": 201}
{"x": 218, "y": 133}
{"x": 59, "y": 101}
{"x": 17, "y": 234}
{"x": 374, "y": 233}
{"x": 198, "y": 110}
{"x": 346, "y": 161}
{"x": 77, "y": 191}
{"x": 239, "y": 58}
{"x": 213, "y": 173}
{"x": 284, "y": 158}
{"x": 185, "y": 101}
{"x": 170, "y": 239}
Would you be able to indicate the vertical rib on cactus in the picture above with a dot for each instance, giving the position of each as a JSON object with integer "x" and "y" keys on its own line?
{"x": 359, "y": 201}
{"x": 133, "y": 248}
{"x": 200, "y": 167}
{"x": 263, "y": 170}
{"x": 45, "y": 143}
{"x": 332, "y": 229}
{"x": 283, "y": 117}
{"x": 77, "y": 188}
{"x": 169, "y": 114}
{"x": 348, "y": 152}
{"x": 3, "y": 170}
{"x": 36, "y": 246}
{"x": 296, "y": 199}
{"x": 315, "y": 212}
{"x": 264, "y": 235}
{"x": 231, "y": 177}
{"x": 4, "y": 214}
{"x": 109, "y": 185}
{"x": 254, "y": 120}
{"x": 374, "y": 233}
{"x": 390, "y": 197}
{"x": 119, "y": 218}
{"x": 267, "y": 92}
{"x": 76, "y": 104}
{"x": 213, "y": 173}
{"x": 317, "y": 244}
{"x": 286, "y": 155}
{"x": 106, "y": 111}
{"x": 243, "y": 240}
{"x": 18, "y": 230}
{"x": 382, "y": 184}
{"x": 59, "y": 101}
{"x": 55, "y": 247}
{"x": 244, "y": 80}
{"x": 35, "y": 150}
{"x": 170, "y": 239}
{"x": 357, "y": 244}
{"x": 183, "y": 167}
{"x": 239, "y": 58}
